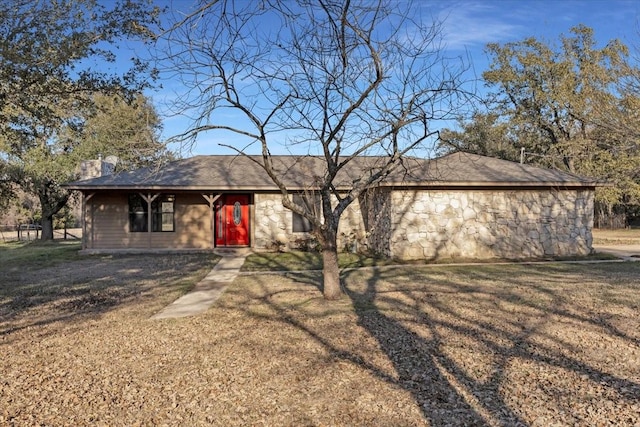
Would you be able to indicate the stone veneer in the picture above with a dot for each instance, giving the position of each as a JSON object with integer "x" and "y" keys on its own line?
{"x": 511, "y": 224}
{"x": 433, "y": 224}
{"x": 274, "y": 225}
{"x": 272, "y": 221}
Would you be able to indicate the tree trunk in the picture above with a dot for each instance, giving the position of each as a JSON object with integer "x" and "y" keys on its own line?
{"x": 330, "y": 273}
{"x": 327, "y": 237}
{"x": 47, "y": 227}
{"x": 52, "y": 199}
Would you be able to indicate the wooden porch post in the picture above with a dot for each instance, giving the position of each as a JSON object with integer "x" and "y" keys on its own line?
{"x": 85, "y": 236}
{"x": 211, "y": 198}
{"x": 149, "y": 198}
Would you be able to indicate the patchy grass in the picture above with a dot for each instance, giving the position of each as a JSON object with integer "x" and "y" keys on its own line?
{"x": 46, "y": 283}
{"x": 302, "y": 261}
{"x": 36, "y": 254}
{"x": 616, "y": 237}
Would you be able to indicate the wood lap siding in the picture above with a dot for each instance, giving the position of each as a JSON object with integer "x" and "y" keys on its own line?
{"x": 108, "y": 225}
{"x": 192, "y": 225}
{"x": 109, "y": 222}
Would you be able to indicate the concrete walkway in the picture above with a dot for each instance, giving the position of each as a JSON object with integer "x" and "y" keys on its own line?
{"x": 626, "y": 252}
{"x": 208, "y": 290}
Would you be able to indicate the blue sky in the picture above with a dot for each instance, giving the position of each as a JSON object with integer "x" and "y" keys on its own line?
{"x": 470, "y": 25}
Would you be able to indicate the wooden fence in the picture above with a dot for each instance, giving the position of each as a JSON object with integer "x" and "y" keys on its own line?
{"x": 28, "y": 232}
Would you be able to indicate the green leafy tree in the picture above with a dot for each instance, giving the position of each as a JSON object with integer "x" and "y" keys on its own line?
{"x": 7, "y": 189}
{"x": 109, "y": 125}
{"x": 330, "y": 78}
{"x": 50, "y": 56}
{"x": 129, "y": 130}
{"x": 484, "y": 134}
{"x": 571, "y": 107}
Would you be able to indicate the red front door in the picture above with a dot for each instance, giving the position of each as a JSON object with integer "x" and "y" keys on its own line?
{"x": 232, "y": 220}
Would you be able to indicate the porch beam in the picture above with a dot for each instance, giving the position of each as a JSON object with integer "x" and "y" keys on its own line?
{"x": 85, "y": 236}
{"x": 212, "y": 198}
{"x": 149, "y": 198}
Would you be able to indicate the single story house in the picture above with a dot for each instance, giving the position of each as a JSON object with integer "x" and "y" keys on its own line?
{"x": 457, "y": 206}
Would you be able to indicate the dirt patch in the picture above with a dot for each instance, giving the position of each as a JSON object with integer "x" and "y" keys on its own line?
{"x": 504, "y": 345}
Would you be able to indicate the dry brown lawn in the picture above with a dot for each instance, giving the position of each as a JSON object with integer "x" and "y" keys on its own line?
{"x": 619, "y": 237}
{"x": 551, "y": 344}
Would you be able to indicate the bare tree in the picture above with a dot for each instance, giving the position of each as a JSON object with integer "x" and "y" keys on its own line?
{"x": 330, "y": 78}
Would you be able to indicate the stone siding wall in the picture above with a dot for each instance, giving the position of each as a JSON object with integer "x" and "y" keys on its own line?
{"x": 274, "y": 225}
{"x": 486, "y": 224}
{"x": 474, "y": 224}
{"x": 272, "y": 222}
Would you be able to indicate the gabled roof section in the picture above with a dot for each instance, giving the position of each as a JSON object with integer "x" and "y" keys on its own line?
{"x": 241, "y": 173}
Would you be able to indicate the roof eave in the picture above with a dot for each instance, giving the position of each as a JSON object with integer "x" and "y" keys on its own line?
{"x": 498, "y": 184}
{"x": 175, "y": 188}
{"x": 430, "y": 184}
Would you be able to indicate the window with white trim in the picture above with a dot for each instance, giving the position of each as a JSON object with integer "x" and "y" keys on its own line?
{"x": 162, "y": 209}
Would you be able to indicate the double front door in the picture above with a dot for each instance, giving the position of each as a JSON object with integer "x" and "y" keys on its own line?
{"x": 232, "y": 220}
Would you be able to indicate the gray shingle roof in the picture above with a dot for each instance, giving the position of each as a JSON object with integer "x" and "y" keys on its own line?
{"x": 240, "y": 173}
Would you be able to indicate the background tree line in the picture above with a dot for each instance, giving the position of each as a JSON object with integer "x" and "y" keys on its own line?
{"x": 571, "y": 105}
{"x": 61, "y": 103}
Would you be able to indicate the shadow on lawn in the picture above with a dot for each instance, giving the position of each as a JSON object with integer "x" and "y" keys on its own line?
{"x": 441, "y": 388}
{"x": 440, "y": 385}
{"x": 432, "y": 325}
{"x": 35, "y": 295}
